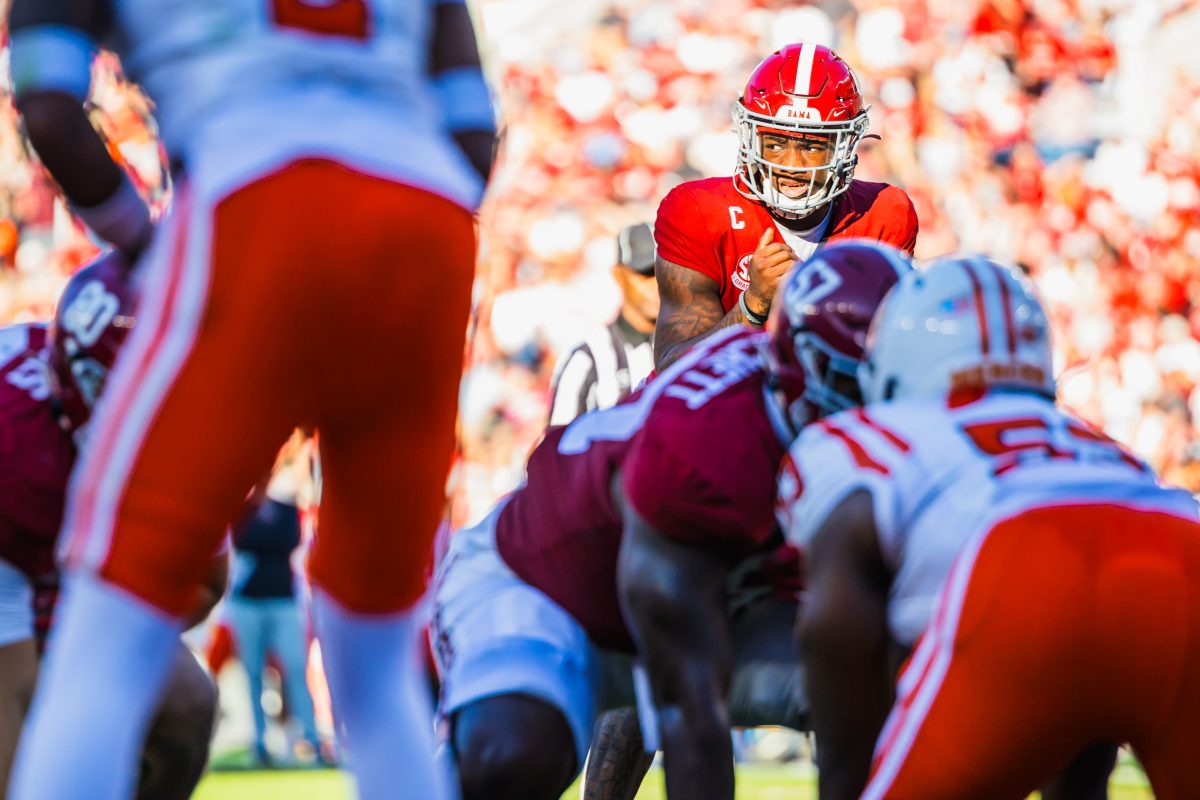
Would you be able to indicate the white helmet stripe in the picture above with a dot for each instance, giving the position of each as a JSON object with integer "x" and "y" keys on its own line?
{"x": 803, "y": 78}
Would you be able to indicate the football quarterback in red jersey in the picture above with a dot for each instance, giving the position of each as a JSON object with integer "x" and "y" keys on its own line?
{"x": 50, "y": 379}
{"x": 725, "y": 243}
{"x": 530, "y": 636}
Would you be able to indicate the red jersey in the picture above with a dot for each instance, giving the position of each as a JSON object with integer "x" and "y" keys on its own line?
{"x": 706, "y": 225}
{"x": 699, "y": 459}
{"x": 36, "y": 455}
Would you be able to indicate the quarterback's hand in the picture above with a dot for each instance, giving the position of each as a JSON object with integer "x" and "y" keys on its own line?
{"x": 768, "y": 265}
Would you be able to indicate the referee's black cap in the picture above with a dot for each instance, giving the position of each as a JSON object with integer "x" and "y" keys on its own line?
{"x": 635, "y": 248}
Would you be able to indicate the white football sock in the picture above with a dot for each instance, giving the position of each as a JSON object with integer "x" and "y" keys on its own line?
{"x": 108, "y": 658}
{"x": 379, "y": 694}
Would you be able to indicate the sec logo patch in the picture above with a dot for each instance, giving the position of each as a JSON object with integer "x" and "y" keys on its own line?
{"x": 741, "y": 274}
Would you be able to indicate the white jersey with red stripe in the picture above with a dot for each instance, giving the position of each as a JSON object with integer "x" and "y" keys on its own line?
{"x": 938, "y": 473}
{"x": 243, "y": 86}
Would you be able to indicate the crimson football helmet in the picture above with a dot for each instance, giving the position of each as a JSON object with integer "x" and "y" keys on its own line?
{"x": 801, "y": 89}
{"x": 818, "y": 327}
{"x": 93, "y": 316}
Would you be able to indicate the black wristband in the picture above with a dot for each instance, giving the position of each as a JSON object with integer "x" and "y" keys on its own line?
{"x": 751, "y": 317}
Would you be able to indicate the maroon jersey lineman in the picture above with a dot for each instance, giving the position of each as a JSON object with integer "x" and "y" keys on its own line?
{"x": 706, "y": 225}
{"x": 36, "y": 455}
{"x": 698, "y": 455}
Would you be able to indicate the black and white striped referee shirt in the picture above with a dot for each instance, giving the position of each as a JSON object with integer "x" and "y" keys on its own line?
{"x": 603, "y": 369}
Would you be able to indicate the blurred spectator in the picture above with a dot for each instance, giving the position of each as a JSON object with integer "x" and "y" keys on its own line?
{"x": 263, "y": 606}
{"x": 613, "y": 360}
{"x": 1058, "y": 133}
{"x": 1187, "y": 472}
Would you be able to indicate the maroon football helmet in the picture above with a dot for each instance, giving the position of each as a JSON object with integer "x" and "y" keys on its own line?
{"x": 94, "y": 314}
{"x": 818, "y": 327}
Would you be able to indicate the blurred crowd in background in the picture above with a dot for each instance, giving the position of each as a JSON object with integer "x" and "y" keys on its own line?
{"x": 1063, "y": 135}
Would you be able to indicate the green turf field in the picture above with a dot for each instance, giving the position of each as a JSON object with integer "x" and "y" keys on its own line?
{"x": 757, "y": 782}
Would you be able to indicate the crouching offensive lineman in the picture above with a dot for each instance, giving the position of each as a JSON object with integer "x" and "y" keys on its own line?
{"x": 1048, "y": 581}
{"x": 50, "y": 378}
{"x": 530, "y": 636}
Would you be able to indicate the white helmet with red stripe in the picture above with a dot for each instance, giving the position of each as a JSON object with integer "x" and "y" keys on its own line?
{"x": 965, "y": 323}
{"x": 800, "y": 90}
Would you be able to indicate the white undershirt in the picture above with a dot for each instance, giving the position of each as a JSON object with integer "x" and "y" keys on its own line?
{"x": 804, "y": 242}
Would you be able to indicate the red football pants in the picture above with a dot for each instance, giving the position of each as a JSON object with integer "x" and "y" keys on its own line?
{"x": 314, "y": 295}
{"x": 1065, "y": 626}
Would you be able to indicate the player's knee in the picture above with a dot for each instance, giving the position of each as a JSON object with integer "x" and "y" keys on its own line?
{"x": 177, "y": 743}
{"x": 513, "y": 767}
{"x": 513, "y": 747}
{"x": 190, "y": 697}
{"x": 173, "y": 760}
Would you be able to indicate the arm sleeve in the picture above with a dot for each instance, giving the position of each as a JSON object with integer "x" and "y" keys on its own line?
{"x": 573, "y": 382}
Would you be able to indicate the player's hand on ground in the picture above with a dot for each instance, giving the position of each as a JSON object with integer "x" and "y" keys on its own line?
{"x": 768, "y": 265}
{"x": 777, "y": 573}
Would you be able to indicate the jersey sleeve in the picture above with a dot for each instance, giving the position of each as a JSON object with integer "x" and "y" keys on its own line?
{"x": 903, "y": 232}
{"x": 827, "y": 463}
{"x": 683, "y": 486}
{"x": 682, "y": 235}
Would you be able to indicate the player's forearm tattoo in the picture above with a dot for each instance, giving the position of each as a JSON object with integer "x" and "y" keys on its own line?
{"x": 690, "y": 310}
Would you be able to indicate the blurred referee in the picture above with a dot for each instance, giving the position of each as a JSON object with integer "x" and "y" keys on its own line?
{"x": 614, "y": 359}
